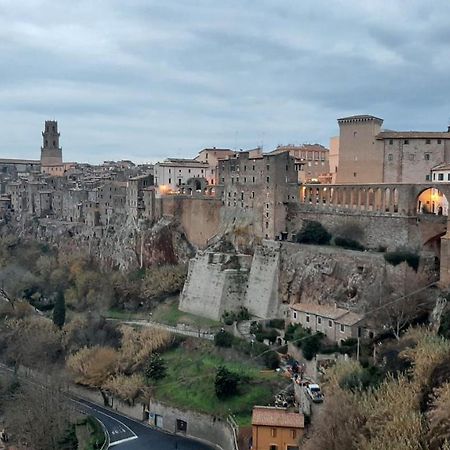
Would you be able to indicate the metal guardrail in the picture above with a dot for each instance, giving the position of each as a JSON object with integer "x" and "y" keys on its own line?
{"x": 235, "y": 427}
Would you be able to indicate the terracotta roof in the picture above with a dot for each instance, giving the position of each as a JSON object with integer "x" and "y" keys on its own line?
{"x": 339, "y": 315}
{"x": 413, "y": 135}
{"x": 362, "y": 117}
{"x": 328, "y": 311}
{"x": 277, "y": 417}
{"x": 350, "y": 319}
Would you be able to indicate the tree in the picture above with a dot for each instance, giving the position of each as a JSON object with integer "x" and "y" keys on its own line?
{"x": 59, "y": 311}
{"x": 313, "y": 232}
{"x": 156, "y": 367}
{"x": 226, "y": 383}
{"x": 39, "y": 416}
{"x": 223, "y": 339}
{"x": 127, "y": 388}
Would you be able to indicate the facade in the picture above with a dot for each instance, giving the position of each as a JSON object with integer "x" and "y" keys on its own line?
{"x": 311, "y": 161}
{"x": 172, "y": 174}
{"x": 135, "y": 194}
{"x": 334, "y": 158}
{"x": 261, "y": 186}
{"x": 211, "y": 156}
{"x": 366, "y": 154}
{"x": 359, "y": 160}
{"x": 338, "y": 324}
{"x": 276, "y": 428}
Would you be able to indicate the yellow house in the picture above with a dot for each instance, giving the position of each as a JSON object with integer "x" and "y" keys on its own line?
{"x": 276, "y": 428}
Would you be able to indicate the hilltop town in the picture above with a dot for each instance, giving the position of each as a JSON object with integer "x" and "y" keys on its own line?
{"x": 304, "y": 253}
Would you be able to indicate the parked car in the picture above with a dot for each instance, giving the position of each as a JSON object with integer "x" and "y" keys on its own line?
{"x": 314, "y": 393}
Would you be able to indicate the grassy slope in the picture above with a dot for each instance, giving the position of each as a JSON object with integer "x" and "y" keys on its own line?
{"x": 190, "y": 383}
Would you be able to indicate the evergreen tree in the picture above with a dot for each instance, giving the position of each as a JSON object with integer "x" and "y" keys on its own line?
{"x": 59, "y": 311}
{"x": 156, "y": 367}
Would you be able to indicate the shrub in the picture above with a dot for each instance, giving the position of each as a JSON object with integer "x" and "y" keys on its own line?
{"x": 269, "y": 334}
{"x": 350, "y": 244}
{"x": 271, "y": 360}
{"x": 398, "y": 256}
{"x": 156, "y": 367}
{"x": 277, "y": 323}
{"x": 226, "y": 383}
{"x": 313, "y": 232}
{"x": 311, "y": 345}
{"x": 223, "y": 339}
{"x": 228, "y": 317}
{"x": 255, "y": 327}
{"x": 362, "y": 379}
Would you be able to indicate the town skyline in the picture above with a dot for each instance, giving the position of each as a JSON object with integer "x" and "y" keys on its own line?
{"x": 149, "y": 80}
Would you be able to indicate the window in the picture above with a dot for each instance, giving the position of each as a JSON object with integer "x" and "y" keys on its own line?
{"x": 342, "y": 328}
{"x": 411, "y": 157}
{"x": 267, "y": 214}
{"x": 252, "y": 195}
{"x": 440, "y": 176}
{"x": 439, "y": 141}
{"x": 253, "y": 167}
{"x": 170, "y": 180}
{"x": 268, "y": 179}
{"x": 434, "y": 176}
{"x": 319, "y": 320}
{"x": 428, "y": 141}
{"x": 293, "y": 434}
{"x": 330, "y": 323}
{"x": 406, "y": 141}
{"x": 354, "y": 174}
{"x": 448, "y": 177}
{"x": 294, "y": 314}
{"x": 273, "y": 432}
{"x": 273, "y": 447}
{"x": 267, "y": 225}
{"x": 253, "y": 179}
{"x": 391, "y": 141}
{"x": 390, "y": 157}
{"x": 267, "y": 167}
{"x": 307, "y": 318}
{"x": 426, "y": 156}
{"x": 245, "y": 168}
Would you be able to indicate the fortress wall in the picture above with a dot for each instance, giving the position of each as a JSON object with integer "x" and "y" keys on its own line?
{"x": 370, "y": 228}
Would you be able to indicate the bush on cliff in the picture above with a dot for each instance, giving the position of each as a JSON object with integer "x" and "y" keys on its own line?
{"x": 313, "y": 232}
{"x": 398, "y": 256}
{"x": 223, "y": 339}
{"x": 349, "y": 244}
{"x": 226, "y": 383}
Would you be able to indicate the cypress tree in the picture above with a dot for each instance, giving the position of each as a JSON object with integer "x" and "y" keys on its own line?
{"x": 59, "y": 311}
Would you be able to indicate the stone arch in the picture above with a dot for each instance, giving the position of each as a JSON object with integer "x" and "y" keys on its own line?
{"x": 432, "y": 200}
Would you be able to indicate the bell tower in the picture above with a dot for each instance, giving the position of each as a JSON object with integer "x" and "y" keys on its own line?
{"x": 51, "y": 152}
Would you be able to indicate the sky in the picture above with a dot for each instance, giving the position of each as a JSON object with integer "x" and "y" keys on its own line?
{"x": 150, "y": 79}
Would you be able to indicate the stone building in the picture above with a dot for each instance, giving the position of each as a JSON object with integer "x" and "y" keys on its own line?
{"x": 311, "y": 161}
{"x": 173, "y": 173}
{"x": 211, "y": 156}
{"x": 259, "y": 187}
{"x": 135, "y": 194}
{"x": 337, "y": 324}
{"x": 367, "y": 154}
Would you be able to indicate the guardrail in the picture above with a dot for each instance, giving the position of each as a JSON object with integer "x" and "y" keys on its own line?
{"x": 235, "y": 427}
{"x": 107, "y": 441}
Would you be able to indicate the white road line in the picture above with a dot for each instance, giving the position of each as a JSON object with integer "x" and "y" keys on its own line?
{"x": 112, "y": 444}
{"x": 111, "y": 417}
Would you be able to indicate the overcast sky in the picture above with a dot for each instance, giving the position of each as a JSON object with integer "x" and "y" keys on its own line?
{"x": 148, "y": 79}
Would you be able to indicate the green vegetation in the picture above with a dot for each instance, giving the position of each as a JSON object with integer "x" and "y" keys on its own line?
{"x": 313, "y": 232}
{"x": 190, "y": 379}
{"x": 349, "y": 244}
{"x": 59, "y": 311}
{"x": 223, "y": 339}
{"x": 310, "y": 343}
{"x": 398, "y": 256}
{"x": 155, "y": 368}
{"x": 226, "y": 383}
{"x": 229, "y": 317}
{"x": 69, "y": 441}
{"x": 168, "y": 313}
{"x": 96, "y": 435}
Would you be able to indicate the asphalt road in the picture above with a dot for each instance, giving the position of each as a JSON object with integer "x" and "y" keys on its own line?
{"x": 129, "y": 434}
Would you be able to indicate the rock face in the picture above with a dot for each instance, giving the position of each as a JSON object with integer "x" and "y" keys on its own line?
{"x": 281, "y": 274}
{"x": 123, "y": 244}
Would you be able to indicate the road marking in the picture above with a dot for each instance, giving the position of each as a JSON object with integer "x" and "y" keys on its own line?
{"x": 112, "y": 444}
{"x": 112, "y": 418}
